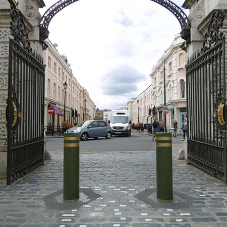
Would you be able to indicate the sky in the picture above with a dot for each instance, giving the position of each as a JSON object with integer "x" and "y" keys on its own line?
{"x": 112, "y": 45}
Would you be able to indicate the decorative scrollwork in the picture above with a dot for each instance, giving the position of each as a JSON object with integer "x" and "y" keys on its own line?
{"x": 221, "y": 108}
{"x": 219, "y": 111}
{"x": 18, "y": 28}
{"x": 169, "y": 5}
{"x": 213, "y": 34}
{"x": 16, "y": 112}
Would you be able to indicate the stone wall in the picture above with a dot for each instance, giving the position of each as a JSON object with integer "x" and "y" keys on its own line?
{"x": 4, "y": 55}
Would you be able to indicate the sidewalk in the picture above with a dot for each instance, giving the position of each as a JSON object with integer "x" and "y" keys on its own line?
{"x": 117, "y": 179}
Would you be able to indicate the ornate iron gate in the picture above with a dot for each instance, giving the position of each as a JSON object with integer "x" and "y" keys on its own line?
{"x": 25, "y": 103}
{"x": 206, "y": 102}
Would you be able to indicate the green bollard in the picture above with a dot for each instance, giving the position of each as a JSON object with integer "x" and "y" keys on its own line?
{"x": 71, "y": 166}
{"x": 164, "y": 173}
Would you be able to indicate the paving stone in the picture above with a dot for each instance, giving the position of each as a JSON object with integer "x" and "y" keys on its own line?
{"x": 203, "y": 219}
{"x": 181, "y": 225}
{"x": 146, "y": 225}
{"x": 222, "y": 225}
{"x": 221, "y": 214}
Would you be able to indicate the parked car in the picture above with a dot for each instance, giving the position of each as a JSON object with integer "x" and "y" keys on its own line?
{"x": 92, "y": 129}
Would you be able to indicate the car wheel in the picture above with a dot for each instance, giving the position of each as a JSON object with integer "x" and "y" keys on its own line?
{"x": 108, "y": 135}
{"x": 84, "y": 136}
{"x": 129, "y": 133}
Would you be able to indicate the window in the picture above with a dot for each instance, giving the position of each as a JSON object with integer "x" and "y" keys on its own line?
{"x": 48, "y": 87}
{"x": 69, "y": 82}
{"x": 59, "y": 72}
{"x": 49, "y": 62}
{"x": 63, "y": 75}
{"x": 102, "y": 124}
{"x": 181, "y": 60}
{"x": 162, "y": 75}
{"x": 55, "y": 67}
{"x": 59, "y": 95}
{"x": 94, "y": 124}
{"x": 182, "y": 85}
{"x": 106, "y": 115}
{"x": 170, "y": 67}
{"x": 54, "y": 90}
{"x": 69, "y": 99}
{"x": 154, "y": 81}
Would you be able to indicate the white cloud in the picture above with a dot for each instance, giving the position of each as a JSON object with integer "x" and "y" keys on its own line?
{"x": 113, "y": 41}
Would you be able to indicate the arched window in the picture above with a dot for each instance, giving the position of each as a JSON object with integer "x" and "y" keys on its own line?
{"x": 182, "y": 86}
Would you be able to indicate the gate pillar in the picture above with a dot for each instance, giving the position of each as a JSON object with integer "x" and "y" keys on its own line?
{"x": 196, "y": 16}
{"x": 4, "y": 56}
{"x": 30, "y": 10}
{"x": 200, "y": 13}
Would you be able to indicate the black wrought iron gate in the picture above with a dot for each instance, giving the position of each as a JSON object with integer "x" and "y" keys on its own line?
{"x": 25, "y": 103}
{"x": 206, "y": 102}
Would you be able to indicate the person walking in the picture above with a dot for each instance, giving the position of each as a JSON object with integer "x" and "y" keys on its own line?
{"x": 184, "y": 128}
{"x": 162, "y": 126}
{"x": 175, "y": 125}
{"x": 156, "y": 128}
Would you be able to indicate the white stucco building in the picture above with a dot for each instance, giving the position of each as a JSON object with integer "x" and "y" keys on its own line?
{"x": 172, "y": 66}
{"x": 75, "y": 97}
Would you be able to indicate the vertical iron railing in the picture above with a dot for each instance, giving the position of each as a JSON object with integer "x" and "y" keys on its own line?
{"x": 206, "y": 103}
{"x": 25, "y": 110}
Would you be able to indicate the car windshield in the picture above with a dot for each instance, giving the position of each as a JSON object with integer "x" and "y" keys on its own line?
{"x": 119, "y": 119}
{"x": 82, "y": 124}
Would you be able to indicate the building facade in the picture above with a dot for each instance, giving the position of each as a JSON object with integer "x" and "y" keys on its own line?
{"x": 70, "y": 101}
{"x": 168, "y": 83}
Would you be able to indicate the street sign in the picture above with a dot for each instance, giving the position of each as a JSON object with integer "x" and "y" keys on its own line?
{"x": 50, "y": 110}
{"x": 165, "y": 110}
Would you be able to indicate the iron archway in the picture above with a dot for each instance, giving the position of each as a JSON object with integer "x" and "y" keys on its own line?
{"x": 169, "y": 5}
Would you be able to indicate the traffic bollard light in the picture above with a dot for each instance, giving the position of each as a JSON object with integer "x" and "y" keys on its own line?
{"x": 71, "y": 166}
{"x": 164, "y": 172}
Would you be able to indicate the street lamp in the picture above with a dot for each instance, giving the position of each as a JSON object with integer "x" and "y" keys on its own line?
{"x": 164, "y": 75}
{"x": 138, "y": 110}
{"x": 84, "y": 110}
{"x": 65, "y": 87}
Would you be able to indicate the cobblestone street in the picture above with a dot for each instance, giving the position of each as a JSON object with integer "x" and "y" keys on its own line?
{"x": 117, "y": 177}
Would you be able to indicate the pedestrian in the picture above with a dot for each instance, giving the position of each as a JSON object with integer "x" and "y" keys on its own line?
{"x": 162, "y": 126}
{"x": 184, "y": 128}
{"x": 156, "y": 128}
{"x": 175, "y": 126}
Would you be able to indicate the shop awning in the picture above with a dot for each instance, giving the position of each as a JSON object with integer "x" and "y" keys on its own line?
{"x": 170, "y": 107}
{"x": 57, "y": 111}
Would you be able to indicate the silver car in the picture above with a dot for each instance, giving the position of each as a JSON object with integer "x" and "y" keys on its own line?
{"x": 92, "y": 129}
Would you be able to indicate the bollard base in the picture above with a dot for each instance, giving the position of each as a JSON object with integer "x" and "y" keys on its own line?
{"x": 179, "y": 200}
{"x": 56, "y": 201}
{"x": 82, "y": 198}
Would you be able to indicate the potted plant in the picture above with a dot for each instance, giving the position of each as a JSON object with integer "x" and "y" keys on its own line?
{"x": 66, "y": 125}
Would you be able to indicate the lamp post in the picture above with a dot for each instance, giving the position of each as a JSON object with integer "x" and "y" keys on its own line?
{"x": 138, "y": 111}
{"x": 65, "y": 87}
{"x": 84, "y": 117}
{"x": 164, "y": 75}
